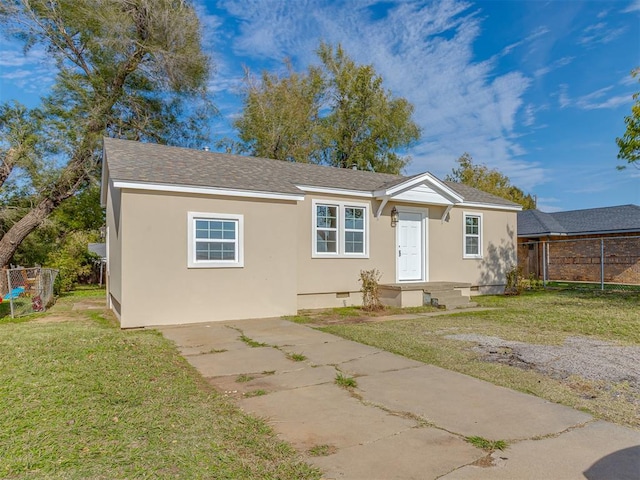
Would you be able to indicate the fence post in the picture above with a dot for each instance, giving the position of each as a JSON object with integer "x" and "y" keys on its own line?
{"x": 601, "y": 263}
{"x": 10, "y": 288}
{"x": 544, "y": 264}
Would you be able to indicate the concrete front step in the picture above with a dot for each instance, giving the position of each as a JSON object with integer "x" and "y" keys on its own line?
{"x": 447, "y": 295}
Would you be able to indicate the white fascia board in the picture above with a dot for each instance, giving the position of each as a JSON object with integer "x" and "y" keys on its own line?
{"x": 207, "y": 191}
{"x": 105, "y": 181}
{"x": 424, "y": 178}
{"x": 490, "y": 206}
{"x": 336, "y": 191}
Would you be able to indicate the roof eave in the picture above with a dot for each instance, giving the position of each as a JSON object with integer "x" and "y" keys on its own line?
{"x": 214, "y": 191}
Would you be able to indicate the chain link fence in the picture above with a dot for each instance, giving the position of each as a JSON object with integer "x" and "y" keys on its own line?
{"x": 605, "y": 263}
{"x": 26, "y": 290}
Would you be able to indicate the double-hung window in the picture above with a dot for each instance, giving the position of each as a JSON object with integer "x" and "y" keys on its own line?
{"x": 472, "y": 235}
{"x": 215, "y": 240}
{"x": 339, "y": 229}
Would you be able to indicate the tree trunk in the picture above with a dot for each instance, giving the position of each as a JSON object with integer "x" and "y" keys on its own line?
{"x": 8, "y": 162}
{"x": 19, "y": 231}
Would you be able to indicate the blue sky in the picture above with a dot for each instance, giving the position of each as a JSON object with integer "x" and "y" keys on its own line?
{"x": 537, "y": 89}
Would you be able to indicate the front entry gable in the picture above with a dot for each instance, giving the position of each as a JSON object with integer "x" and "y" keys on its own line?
{"x": 423, "y": 189}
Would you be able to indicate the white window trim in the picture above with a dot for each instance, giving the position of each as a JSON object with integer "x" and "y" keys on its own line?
{"x": 464, "y": 234}
{"x": 191, "y": 250}
{"x": 341, "y": 205}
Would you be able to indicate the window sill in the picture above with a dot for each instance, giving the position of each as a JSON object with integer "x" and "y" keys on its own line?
{"x": 215, "y": 265}
{"x": 336, "y": 255}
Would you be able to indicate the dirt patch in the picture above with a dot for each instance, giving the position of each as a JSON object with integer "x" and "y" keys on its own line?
{"x": 594, "y": 360}
{"x": 90, "y": 304}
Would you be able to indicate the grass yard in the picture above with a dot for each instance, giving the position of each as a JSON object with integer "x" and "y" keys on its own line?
{"x": 540, "y": 318}
{"x": 82, "y": 399}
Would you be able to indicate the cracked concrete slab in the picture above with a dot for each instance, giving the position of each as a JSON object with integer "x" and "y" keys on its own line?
{"x": 375, "y": 430}
{"x": 468, "y": 406}
{"x": 332, "y": 353}
{"x": 324, "y": 414}
{"x": 305, "y": 377}
{"x": 598, "y": 451}
{"x": 418, "y": 453}
{"x": 203, "y": 338}
{"x": 378, "y": 362}
{"x": 246, "y": 360}
{"x": 278, "y": 332}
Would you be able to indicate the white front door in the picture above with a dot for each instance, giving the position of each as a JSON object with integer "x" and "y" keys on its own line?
{"x": 410, "y": 246}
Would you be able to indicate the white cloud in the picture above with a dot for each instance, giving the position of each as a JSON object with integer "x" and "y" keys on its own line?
{"x": 563, "y": 98}
{"x": 424, "y": 52}
{"x": 548, "y": 204}
{"x": 599, "y": 99}
{"x": 599, "y": 33}
{"x": 564, "y": 61}
{"x": 634, "y": 6}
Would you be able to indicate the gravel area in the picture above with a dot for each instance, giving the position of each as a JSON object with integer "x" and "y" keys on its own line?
{"x": 595, "y": 360}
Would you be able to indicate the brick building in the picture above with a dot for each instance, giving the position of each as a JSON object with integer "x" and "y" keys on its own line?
{"x": 592, "y": 245}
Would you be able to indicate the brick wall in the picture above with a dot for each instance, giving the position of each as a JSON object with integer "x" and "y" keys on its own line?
{"x": 579, "y": 259}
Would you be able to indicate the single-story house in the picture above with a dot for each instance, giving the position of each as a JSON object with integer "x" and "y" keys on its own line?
{"x": 590, "y": 245}
{"x": 199, "y": 236}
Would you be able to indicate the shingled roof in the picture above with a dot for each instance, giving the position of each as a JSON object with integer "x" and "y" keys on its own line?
{"x": 130, "y": 161}
{"x": 592, "y": 221}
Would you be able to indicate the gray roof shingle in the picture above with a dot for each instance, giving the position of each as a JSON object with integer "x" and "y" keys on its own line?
{"x": 619, "y": 219}
{"x": 160, "y": 164}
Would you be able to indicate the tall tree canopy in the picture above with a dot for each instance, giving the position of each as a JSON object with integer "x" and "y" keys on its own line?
{"x": 629, "y": 143}
{"x": 336, "y": 114}
{"x": 490, "y": 181}
{"x": 126, "y": 68}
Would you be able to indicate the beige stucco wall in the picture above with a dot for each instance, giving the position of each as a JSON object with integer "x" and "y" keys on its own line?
{"x": 158, "y": 287}
{"x": 446, "y": 260}
{"x": 150, "y": 279}
{"x": 331, "y": 275}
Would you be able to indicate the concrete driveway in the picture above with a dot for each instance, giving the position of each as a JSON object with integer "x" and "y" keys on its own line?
{"x": 405, "y": 419}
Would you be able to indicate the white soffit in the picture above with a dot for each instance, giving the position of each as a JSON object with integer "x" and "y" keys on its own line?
{"x": 422, "y": 194}
{"x": 207, "y": 191}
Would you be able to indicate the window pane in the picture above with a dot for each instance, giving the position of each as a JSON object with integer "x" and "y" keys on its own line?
{"x": 354, "y": 242}
{"x": 354, "y": 218}
{"x": 207, "y": 251}
{"x": 471, "y": 246}
{"x": 229, "y": 230}
{"x": 326, "y": 241}
{"x": 216, "y": 229}
{"x": 472, "y": 224}
{"x": 326, "y": 216}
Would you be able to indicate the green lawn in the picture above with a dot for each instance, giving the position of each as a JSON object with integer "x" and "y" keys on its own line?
{"x": 539, "y": 317}
{"x": 83, "y": 399}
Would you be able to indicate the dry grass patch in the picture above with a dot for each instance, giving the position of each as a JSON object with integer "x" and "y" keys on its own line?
{"x": 541, "y": 318}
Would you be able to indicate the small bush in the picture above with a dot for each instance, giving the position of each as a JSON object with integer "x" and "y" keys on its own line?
{"x": 514, "y": 286}
{"x": 370, "y": 296}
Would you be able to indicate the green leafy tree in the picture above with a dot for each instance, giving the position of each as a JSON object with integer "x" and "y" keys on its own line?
{"x": 127, "y": 68}
{"x": 366, "y": 126}
{"x": 280, "y": 115}
{"x": 629, "y": 143}
{"x": 490, "y": 181}
{"x": 336, "y": 114}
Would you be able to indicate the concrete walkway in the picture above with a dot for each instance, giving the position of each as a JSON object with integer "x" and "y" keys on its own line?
{"x": 405, "y": 419}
